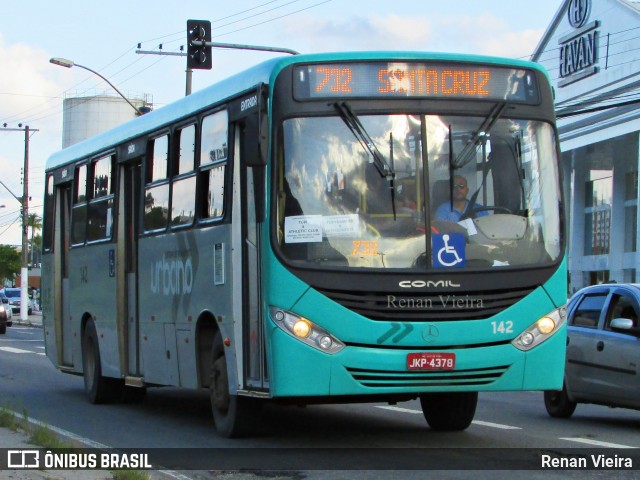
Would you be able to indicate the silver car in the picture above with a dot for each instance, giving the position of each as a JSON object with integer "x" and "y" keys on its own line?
{"x": 603, "y": 350}
{"x": 5, "y": 314}
{"x": 14, "y": 299}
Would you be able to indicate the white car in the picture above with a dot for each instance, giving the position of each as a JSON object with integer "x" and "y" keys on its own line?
{"x": 14, "y": 299}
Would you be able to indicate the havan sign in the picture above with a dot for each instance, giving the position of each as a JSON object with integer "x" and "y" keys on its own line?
{"x": 579, "y": 49}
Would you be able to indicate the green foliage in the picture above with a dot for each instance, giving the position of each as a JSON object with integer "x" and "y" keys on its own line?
{"x": 9, "y": 262}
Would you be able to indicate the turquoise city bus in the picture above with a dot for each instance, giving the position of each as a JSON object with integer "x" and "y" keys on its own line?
{"x": 326, "y": 228}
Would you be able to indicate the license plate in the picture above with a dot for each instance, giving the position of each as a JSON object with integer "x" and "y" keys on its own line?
{"x": 431, "y": 361}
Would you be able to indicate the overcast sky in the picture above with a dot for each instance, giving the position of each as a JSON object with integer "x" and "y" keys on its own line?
{"x": 104, "y": 37}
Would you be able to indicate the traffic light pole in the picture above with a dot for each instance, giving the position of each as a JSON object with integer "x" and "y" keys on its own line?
{"x": 196, "y": 43}
{"x": 244, "y": 47}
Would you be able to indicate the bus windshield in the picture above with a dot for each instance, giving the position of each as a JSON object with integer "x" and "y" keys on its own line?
{"x": 418, "y": 192}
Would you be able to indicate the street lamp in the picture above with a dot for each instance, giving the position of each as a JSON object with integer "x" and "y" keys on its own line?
{"x": 63, "y": 62}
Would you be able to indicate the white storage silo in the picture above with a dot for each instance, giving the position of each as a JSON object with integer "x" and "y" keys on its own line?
{"x": 86, "y": 116}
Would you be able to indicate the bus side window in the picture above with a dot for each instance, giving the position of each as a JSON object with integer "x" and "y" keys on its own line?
{"x": 79, "y": 209}
{"x": 156, "y": 194}
{"x": 214, "y": 152}
{"x": 213, "y": 187}
{"x": 183, "y": 183}
{"x": 100, "y": 208}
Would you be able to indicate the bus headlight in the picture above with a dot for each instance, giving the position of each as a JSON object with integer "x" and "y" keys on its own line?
{"x": 306, "y": 331}
{"x": 541, "y": 330}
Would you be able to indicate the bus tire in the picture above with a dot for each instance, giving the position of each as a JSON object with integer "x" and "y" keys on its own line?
{"x": 233, "y": 415}
{"x": 98, "y": 389}
{"x": 558, "y": 404}
{"x": 449, "y": 411}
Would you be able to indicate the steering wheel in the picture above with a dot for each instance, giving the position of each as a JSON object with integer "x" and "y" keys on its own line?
{"x": 472, "y": 213}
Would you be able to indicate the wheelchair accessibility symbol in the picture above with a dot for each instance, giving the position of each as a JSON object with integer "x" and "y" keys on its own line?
{"x": 448, "y": 250}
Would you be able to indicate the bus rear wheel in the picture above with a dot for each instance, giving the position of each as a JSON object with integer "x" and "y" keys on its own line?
{"x": 233, "y": 415}
{"x": 446, "y": 411}
{"x": 98, "y": 389}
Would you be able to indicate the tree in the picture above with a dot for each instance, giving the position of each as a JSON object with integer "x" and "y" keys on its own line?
{"x": 36, "y": 247}
{"x": 34, "y": 221}
{"x": 10, "y": 263}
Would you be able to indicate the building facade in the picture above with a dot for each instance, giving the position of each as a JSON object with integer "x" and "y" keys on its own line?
{"x": 591, "y": 50}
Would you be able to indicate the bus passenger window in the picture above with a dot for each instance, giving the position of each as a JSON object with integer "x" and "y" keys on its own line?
{"x": 213, "y": 180}
{"x": 158, "y": 168}
{"x": 79, "y": 224}
{"x": 79, "y": 209}
{"x": 156, "y": 207}
{"x": 214, "y": 138}
{"x": 100, "y": 208}
{"x": 156, "y": 197}
{"x": 186, "y": 154}
{"x": 99, "y": 220}
{"x": 183, "y": 201}
{"x": 80, "y": 184}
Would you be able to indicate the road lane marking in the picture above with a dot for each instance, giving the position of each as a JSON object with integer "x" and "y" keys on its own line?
{"x": 398, "y": 409}
{"x": 596, "y": 443}
{"x": 477, "y": 422}
{"x": 14, "y": 350}
{"x": 495, "y": 425}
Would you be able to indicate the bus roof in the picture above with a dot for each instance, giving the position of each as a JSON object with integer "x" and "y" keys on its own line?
{"x": 265, "y": 72}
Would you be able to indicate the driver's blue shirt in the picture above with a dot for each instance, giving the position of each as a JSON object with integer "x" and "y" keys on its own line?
{"x": 452, "y": 214}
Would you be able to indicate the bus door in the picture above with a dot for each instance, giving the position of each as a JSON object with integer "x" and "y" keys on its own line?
{"x": 64, "y": 327}
{"x": 129, "y": 205}
{"x": 251, "y": 179}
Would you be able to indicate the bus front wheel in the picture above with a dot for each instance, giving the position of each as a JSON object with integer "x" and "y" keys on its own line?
{"x": 233, "y": 415}
{"x": 449, "y": 411}
{"x": 98, "y": 389}
{"x": 558, "y": 403}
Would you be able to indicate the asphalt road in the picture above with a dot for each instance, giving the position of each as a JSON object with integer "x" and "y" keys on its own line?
{"x": 361, "y": 436}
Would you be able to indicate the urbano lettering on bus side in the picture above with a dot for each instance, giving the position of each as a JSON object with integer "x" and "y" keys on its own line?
{"x": 172, "y": 277}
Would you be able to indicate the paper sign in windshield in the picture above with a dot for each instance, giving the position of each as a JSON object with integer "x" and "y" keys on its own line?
{"x": 341, "y": 225}
{"x": 303, "y": 229}
{"x": 311, "y": 228}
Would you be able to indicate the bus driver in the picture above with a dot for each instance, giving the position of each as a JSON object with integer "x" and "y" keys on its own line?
{"x": 460, "y": 202}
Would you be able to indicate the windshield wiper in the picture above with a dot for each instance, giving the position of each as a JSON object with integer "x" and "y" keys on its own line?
{"x": 384, "y": 169}
{"x": 353, "y": 122}
{"x": 481, "y": 133}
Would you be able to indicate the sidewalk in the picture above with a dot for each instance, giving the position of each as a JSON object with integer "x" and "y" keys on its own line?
{"x": 19, "y": 441}
{"x": 34, "y": 320}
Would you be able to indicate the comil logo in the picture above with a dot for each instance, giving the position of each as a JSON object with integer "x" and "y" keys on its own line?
{"x": 23, "y": 459}
{"x": 428, "y": 284}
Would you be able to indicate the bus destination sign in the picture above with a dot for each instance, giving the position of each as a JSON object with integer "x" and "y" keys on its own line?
{"x": 415, "y": 80}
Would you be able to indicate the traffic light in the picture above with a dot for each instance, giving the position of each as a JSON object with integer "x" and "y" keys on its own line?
{"x": 198, "y": 56}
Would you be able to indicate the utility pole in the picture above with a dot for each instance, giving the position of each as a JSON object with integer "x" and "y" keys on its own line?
{"x": 24, "y": 201}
